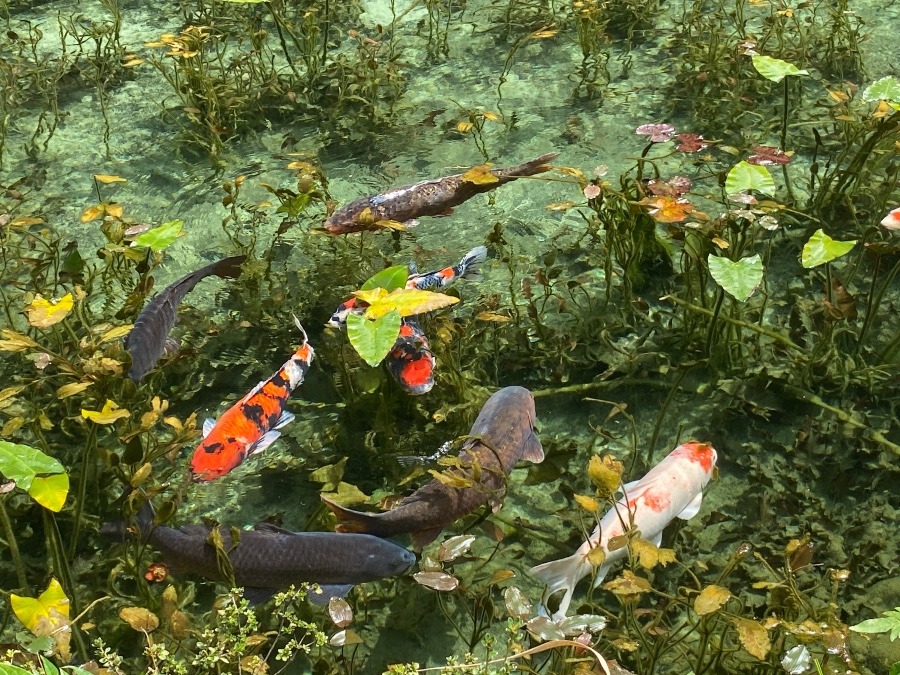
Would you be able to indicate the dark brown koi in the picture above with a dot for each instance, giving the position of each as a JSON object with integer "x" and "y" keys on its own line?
{"x": 502, "y": 434}
{"x": 427, "y": 198}
{"x": 147, "y": 340}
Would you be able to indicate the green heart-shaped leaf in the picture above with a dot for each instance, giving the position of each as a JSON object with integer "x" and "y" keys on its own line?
{"x": 388, "y": 279}
{"x": 775, "y": 69}
{"x": 50, "y": 491}
{"x": 160, "y": 237}
{"x": 738, "y": 278}
{"x": 22, "y": 463}
{"x": 373, "y": 339}
{"x": 885, "y": 89}
{"x": 745, "y": 176}
{"x": 821, "y": 249}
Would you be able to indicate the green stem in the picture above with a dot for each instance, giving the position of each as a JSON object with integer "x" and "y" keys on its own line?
{"x": 662, "y": 414}
{"x": 872, "y": 309}
{"x": 86, "y": 468}
{"x": 712, "y": 324}
{"x": 13, "y": 548}
{"x": 591, "y": 386}
{"x": 61, "y": 567}
{"x": 768, "y": 332}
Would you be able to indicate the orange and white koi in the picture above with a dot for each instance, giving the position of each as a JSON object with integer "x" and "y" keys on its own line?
{"x": 671, "y": 489}
{"x": 410, "y": 360}
{"x": 892, "y": 220}
{"x": 468, "y": 268}
{"x": 251, "y": 425}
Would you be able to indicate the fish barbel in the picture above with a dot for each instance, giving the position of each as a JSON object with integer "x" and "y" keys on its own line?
{"x": 502, "y": 434}
{"x": 671, "y": 489}
{"x": 433, "y": 197}
{"x": 269, "y": 558}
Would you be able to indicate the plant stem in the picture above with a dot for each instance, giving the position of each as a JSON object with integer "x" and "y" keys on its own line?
{"x": 872, "y": 309}
{"x": 13, "y": 548}
{"x": 82, "y": 485}
{"x": 712, "y": 324}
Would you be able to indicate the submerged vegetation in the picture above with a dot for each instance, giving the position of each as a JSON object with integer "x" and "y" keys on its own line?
{"x": 723, "y": 268}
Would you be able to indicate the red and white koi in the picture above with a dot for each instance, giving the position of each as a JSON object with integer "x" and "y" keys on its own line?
{"x": 892, "y": 220}
{"x": 468, "y": 268}
{"x": 410, "y": 360}
{"x": 252, "y": 424}
{"x": 671, "y": 489}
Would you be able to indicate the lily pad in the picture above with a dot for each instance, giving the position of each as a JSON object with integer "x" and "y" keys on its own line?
{"x": 373, "y": 338}
{"x": 745, "y": 176}
{"x": 775, "y": 69}
{"x": 821, "y": 249}
{"x": 738, "y": 278}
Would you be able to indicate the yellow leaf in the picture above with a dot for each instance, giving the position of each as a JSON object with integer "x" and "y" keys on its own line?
{"x": 47, "y": 614}
{"x": 596, "y": 556}
{"x": 711, "y": 599}
{"x": 587, "y": 503}
{"x": 26, "y": 221}
{"x": 493, "y": 316}
{"x": 492, "y": 116}
{"x": 606, "y": 474}
{"x": 371, "y": 295}
{"x": 110, "y": 413}
{"x": 649, "y": 555}
{"x": 480, "y": 175}
{"x": 50, "y": 491}
{"x": 721, "y": 243}
{"x": 628, "y": 586}
{"x": 9, "y": 392}
{"x": 408, "y": 302}
{"x": 72, "y": 388}
{"x": 753, "y": 636}
{"x": 15, "y": 342}
{"x": 116, "y": 333}
{"x": 114, "y": 210}
{"x": 464, "y": 127}
{"x": 93, "y": 213}
{"x": 572, "y": 171}
{"x": 45, "y": 313}
{"x": 139, "y": 618}
{"x": 107, "y": 178}
{"x": 12, "y": 426}
{"x": 560, "y": 206}
{"x": 543, "y": 34}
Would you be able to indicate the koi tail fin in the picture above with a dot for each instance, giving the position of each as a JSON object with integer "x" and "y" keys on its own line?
{"x": 118, "y": 530}
{"x": 228, "y": 267}
{"x": 563, "y": 575}
{"x": 353, "y": 521}
{"x": 471, "y": 263}
{"x": 536, "y": 165}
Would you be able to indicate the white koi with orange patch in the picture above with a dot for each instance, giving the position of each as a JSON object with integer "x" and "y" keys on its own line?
{"x": 671, "y": 489}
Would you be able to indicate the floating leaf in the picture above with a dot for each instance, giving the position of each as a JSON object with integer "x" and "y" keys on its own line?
{"x": 408, "y": 302}
{"x": 160, "y": 237}
{"x": 711, "y": 599}
{"x": 439, "y": 581}
{"x": 821, "y": 249}
{"x": 110, "y": 413}
{"x": 454, "y": 547}
{"x": 739, "y": 278}
{"x": 885, "y": 89}
{"x": 139, "y": 619}
{"x": 745, "y": 176}
{"x": 544, "y": 629}
{"x": 43, "y": 477}
{"x": 650, "y": 555}
{"x": 517, "y": 605}
{"x": 45, "y": 313}
{"x": 388, "y": 279}
{"x": 480, "y": 175}
{"x": 107, "y": 178}
{"x": 48, "y": 614}
{"x": 373, "y": 339}
{"x": 753, "y": 636}
{"x": 668, "y": 209}
{"x": 775, "y": 69}
{"x": 340, "y": 612}
{"x": 345, "y": 637}
{"x": 768, "y": 155}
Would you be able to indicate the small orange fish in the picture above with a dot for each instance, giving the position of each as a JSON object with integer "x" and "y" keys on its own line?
{"x": 250, "y": 425}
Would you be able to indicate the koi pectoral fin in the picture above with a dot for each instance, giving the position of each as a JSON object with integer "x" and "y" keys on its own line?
{"x": 264, "y": 442}
{"x": 329, "y": 591}
{"x": 534, "y": 451}
{"x": 285, "y": 419}
{"x": 693, "y": 508}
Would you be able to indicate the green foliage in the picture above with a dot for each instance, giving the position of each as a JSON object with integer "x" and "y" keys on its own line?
{"x": 821, "y": 249}
{"x": 41, "y": 476}
{"x": 775, "y": 70}
{"x": 373, "y": 338}
{"x": 888, "y": 622}
{"x": 739, "y": 278}
{"x": 744, "y": 177}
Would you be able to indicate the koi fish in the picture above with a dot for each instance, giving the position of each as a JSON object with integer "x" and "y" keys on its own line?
{"x": 892, "y": 220}
{"x": 147, "y": 340}
{"x": 671, "y": 489}
{"x": 251, "y": 425}
{"x": 432, "y": 197}
{"x": 269, "y": 558}
{"x": 410, "y": 360}
{"x": 502, "y": 434}
{"x": 468, "y": 268}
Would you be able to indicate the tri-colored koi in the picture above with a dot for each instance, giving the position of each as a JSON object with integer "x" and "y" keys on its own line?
{"x": 671, "y": 489}
{"x": 251, "y": 425}
{"x": 468, "y": 268}
{"x": 410, "y": 360}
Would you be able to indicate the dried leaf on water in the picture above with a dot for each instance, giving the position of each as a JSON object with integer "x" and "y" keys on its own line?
{"x": 439, "y": 581}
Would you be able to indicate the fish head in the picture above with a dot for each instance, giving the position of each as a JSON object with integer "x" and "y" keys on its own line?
{"x": 216, "y": 456}
{"x": 404, "y": 561}
{"x": 702, "y": 454}
{"x": 339, "y": 316}
{"x": 507, "y": 421}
